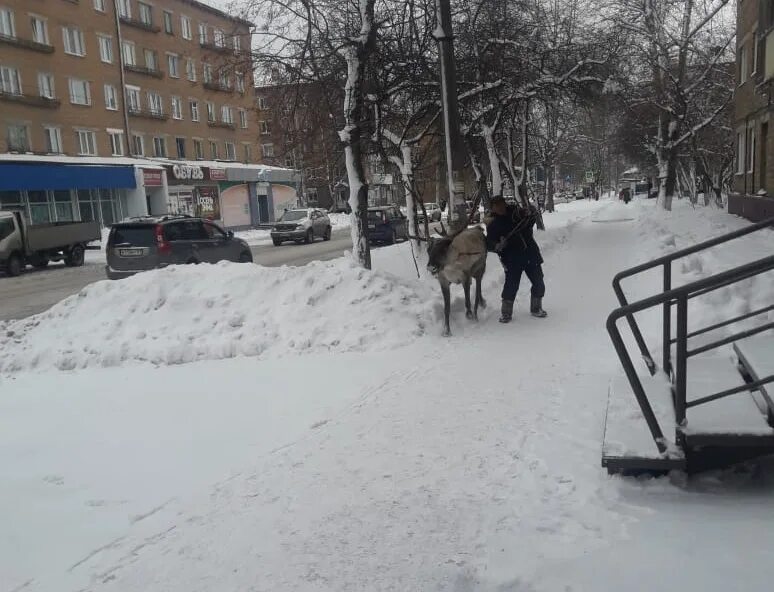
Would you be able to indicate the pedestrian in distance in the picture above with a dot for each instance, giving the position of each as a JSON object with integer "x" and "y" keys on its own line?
{"x": 509, "y": 234}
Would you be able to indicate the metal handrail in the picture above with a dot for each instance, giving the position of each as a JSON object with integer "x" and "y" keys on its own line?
{"x": 666, "y": 262}
{"x": 680, "y": 295}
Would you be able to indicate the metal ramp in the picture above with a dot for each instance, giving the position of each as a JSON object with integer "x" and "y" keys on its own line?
{"x": 709, "y": 405}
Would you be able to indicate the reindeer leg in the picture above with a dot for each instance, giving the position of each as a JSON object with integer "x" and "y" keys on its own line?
{"x": 479, "y": 299}
{"x": 446, "y": 308}
{"x": 466, "y": 287}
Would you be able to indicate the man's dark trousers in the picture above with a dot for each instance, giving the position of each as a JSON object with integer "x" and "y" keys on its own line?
{"x": 514, "y": 267}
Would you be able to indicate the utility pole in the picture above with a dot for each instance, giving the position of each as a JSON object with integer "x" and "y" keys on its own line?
{"x": 455, "y": 158}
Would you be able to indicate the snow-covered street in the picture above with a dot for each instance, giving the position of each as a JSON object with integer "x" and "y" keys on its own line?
{"x": 310, "y": 429}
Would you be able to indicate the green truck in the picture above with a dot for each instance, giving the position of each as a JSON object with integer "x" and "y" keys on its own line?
{"x": 23, "y": 244}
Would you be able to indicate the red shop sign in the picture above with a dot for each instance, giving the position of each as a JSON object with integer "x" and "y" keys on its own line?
{"x": 151, "y": 178}
{"x": 217, "y": 174}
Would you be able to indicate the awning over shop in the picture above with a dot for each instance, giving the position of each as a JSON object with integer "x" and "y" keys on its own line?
{"x": 17, "y": 176}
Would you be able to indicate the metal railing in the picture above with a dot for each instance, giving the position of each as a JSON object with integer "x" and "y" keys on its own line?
{"x": 666, "y": 263}
{"x": 680, "y": 297}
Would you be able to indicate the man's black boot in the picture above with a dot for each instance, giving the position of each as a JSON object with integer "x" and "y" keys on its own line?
{"x": 506, "y": 311}
{"x": 536, "y": 308}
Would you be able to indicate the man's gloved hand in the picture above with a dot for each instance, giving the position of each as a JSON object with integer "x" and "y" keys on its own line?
{"x": 500, "y": 246}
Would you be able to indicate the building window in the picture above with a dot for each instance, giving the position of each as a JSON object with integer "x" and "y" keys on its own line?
{"x": 99, "y": 5}
{"x": 173, "y": 65}
{"x": 159, "y": 147}
{"x": 130, "y": 55}
{"x": 230, "y": 151}
{"x": 265, "y": 130}
{"x": 290, "y": 160}
{"x": 190, "y": 69}
{"x": 262, "y": 103}
{"x": 53, "y": 137}
{"x": 248, "y": 153}
{"x": 73, "y": 41}
{"x": 220, "y": 38}
{"x": 267, "y": 150}
{"x": 105, "y": 48}
{"x": 18, "y": 138}
{"x": 742, "y": 52}
{"x": 210, "y": 111}
{"x": 151, "y": 59}
{"x": 207, "y": 73}
{"x": 7, "y": 27}
{"x": 751, "y": 150}
{"x": 87, "y": 142}
{"x": 185, "y": 27}
{"x": 168, "y": 23}
{"x": 177, "y": 108}
{"x": 80, "y": 91}
{"x": 198, "y": 149}
{"x": 111, "y": 98}
{"x": 226, "y": 114}
{"x": 138, "y": 145}
{"x": 125, "y": 8}
{"x": 146, "y": 13}
{"x": 240, "y": 82}
{"x": 10, "y": 81}
{"x": 39, "y": 29}
{"x": 46, "y": 85}
{"x": 133, "y": 98}
{"x": 202, "y": 33}
{"x": 194, "y": 109}
{"x": 180, "y": 147}
{"x": 214, "y": 149}
{"x": 740, "y": 159}
{"x": 224, "y": 78}
{"x": 155, "y": 104}
{"x": 237, "y": 42}
{"x": 243, "y": 119}
{"x": 116, "y": 142}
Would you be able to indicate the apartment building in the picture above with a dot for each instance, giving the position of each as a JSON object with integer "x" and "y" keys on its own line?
{"x": 158, "y": 85}
{"x": 753, "y": 186}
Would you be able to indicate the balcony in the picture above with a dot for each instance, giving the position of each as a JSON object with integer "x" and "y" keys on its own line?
{"x": 216, "y": 86}
{"x": 27, "y": 44}
{"x": 30, "y": 100}
{"x": 217, "y": 48}
{"x": 152, "y": 72}
{"x": 222, "y": 124}
{"x": 148, "y": 114}
{"x": 138, "y": 24}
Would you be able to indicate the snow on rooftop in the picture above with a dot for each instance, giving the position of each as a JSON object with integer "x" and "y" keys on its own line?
{"x": 80, "y": 160}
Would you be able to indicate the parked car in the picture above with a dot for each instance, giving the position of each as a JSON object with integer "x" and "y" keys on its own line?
{"x": 433, "y": 213}
{"x": 301, "y": 225}
{"x": 140, "y": 244}
{"x": 23, "y": 244}
{"x": 386, "y": 225}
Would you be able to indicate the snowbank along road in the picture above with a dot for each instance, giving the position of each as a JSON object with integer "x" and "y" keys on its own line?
{"x": 357, "y": 449}
{"x": 37, "y": 290}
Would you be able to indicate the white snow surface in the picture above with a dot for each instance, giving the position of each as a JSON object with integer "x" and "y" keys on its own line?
{"x": 393, "y": 460}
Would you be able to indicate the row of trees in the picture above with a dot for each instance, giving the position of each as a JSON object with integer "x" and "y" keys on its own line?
{"x": 538, "y": 82}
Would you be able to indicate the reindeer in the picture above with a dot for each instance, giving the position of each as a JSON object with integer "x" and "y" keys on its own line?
{"x": 456, "y": 259}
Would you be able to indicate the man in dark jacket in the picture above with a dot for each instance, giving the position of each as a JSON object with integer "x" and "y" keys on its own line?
{"x": 509, "y": 234}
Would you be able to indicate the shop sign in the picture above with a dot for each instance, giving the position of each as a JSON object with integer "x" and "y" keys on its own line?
{"x": 151, "y": 178}
{"x": 217, "y": 174}
{"x": 207, "y": 203}
{"x": 188, "y": 172}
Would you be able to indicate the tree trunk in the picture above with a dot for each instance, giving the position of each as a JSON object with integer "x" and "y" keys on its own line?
{"x": 494, "y": 160}
{"x": 549, "y": 168}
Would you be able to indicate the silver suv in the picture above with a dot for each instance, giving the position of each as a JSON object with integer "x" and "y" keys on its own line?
{"x": 301, "y": 226}
{"x": 141, "y": 244}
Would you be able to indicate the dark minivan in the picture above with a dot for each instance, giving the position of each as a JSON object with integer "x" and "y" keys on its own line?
{"x": 386, "y": 225}
{"x": 147, "y": 243}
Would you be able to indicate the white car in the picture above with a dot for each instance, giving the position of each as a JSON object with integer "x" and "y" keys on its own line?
{"x": 433, "y": 212}
{"x": 301, "y": 226}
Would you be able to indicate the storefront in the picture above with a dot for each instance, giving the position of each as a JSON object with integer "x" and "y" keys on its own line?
{"x": 65, "y": 189}
{"x": 192, "y": 191}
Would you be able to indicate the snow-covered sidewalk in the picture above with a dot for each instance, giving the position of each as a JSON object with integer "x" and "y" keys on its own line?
{"x": 464, "y": 464}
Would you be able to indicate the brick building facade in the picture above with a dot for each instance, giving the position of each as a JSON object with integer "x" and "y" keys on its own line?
{"x": 753, "y": 186}
{"x": 162, "y": 79}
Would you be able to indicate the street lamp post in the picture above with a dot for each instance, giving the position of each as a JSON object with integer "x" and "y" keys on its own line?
{"x": 455, "y": 158}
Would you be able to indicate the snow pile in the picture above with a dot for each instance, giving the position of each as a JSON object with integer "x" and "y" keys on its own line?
{"x": 189, "y": 313}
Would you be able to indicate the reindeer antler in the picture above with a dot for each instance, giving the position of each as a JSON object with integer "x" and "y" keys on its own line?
{"x": 443, "y": 229}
